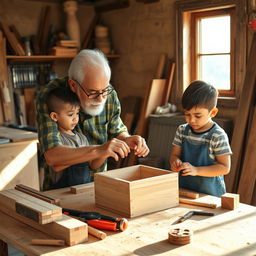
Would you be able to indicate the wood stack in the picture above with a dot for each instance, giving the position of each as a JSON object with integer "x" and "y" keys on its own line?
{"x": 242, "y": 176}
{"x": 65, "y": 48}
{"x": 30, "y": 207}
{"x": 43, "y": 216}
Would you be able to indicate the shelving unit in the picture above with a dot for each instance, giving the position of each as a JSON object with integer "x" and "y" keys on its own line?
{"x": 38, "y": 58}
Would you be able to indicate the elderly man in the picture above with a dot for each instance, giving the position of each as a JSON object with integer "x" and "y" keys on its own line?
{"x": 89, "y": 77}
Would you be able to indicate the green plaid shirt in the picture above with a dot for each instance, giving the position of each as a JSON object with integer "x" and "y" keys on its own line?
{"x": 98, "y": 129}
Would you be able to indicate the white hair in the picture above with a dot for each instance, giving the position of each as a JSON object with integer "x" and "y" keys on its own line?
{"x": 87, "y": 58}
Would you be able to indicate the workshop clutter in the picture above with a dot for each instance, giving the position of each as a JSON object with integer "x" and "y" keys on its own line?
{"x": 102, "y": 39}
{"x": 136, "y": 190}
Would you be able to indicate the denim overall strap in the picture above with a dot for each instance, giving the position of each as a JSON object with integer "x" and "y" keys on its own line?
{"x": 197, "y": 154}
{"x": 74, "y": 175}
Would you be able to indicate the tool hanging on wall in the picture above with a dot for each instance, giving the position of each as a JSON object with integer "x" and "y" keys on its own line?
{"x": 98, "y": 220}
{"x": 190, "y": 214}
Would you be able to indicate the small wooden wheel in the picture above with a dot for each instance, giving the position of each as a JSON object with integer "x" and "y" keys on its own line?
{"x": 180, "y": 236}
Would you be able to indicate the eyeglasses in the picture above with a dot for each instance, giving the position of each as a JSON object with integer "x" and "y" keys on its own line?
{"x": 96, "y": 94}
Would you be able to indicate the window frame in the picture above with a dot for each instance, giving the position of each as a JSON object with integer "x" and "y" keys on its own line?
{"x": 184, "y": 9}
{"x": 194, "y": 45}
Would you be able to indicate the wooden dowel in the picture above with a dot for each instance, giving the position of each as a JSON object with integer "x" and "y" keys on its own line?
{"x": 48, "y": 242}
{"x": 187, "y": 201}
{"x": 97, "y": 233}
{"x": 188, "y": 193}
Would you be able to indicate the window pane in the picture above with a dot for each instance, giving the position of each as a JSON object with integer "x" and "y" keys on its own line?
{"x": 215, "y": 35}
{"x": 216, "y": 70}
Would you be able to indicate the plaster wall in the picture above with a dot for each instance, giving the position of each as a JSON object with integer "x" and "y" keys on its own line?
{"x": 140, "y": 33}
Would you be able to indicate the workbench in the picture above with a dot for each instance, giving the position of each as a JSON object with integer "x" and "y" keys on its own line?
{"x": 227, "y": 233}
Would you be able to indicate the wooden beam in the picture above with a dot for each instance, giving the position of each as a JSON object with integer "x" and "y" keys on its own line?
{"x": 247, "y": 96}
{"x": 248, "y": 173}
{"x": 169, "y": 82}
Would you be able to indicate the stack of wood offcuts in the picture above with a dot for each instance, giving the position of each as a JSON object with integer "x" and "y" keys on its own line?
{"x": 102, "y": 39}
{"x": 30, "y": 207}
{"x": 65, "y": 48}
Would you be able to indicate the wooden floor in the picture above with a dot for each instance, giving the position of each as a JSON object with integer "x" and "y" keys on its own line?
{"x": 13, "y": 252}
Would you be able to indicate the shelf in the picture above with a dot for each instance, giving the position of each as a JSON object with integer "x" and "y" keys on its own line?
{"x": 13, "y": 58}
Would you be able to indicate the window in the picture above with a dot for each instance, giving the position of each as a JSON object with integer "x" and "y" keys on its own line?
{"x": 200, "y": 52}
{"x": 212, "y": 49}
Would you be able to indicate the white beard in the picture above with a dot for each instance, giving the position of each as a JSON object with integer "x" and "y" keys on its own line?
{"x": 94, "y": 108}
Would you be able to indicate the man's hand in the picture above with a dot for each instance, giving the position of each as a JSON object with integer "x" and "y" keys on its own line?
{"x": 114, "y": 148}
{"x": 138, "y": 144}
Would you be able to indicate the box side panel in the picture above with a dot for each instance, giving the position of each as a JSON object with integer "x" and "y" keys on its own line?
{"x": 154, "y": 194}
{"x": 126, "y": 173}
{"x": 146, "y": 172}
{"x": 112, "y": 194}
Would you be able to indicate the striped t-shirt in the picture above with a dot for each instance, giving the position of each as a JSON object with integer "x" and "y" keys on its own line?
{"x": 216, "y": 138}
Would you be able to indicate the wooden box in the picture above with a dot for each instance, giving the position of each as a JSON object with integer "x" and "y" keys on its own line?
{"x": 136, "y": 190}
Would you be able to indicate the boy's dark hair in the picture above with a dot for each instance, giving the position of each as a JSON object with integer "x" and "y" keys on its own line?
{"x": 199, "y": 94}
{"x": 61, "y": 95}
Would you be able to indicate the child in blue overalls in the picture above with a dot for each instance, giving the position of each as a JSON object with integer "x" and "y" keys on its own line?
{"x": 201, "y": 152}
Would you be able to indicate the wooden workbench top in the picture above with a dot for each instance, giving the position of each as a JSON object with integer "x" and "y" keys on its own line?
{"x": 17, "y": 134}
{"x": 227, "y": 233}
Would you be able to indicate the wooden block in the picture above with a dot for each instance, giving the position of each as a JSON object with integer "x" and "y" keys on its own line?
{"x": 80, "y": 188}
{"x": 230, "y": 201}
{"x": 136, "y": 190}
{"x": 188, "y": 193}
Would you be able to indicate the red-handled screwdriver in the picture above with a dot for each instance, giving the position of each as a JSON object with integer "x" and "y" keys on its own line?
{"x": 98, "y": 220}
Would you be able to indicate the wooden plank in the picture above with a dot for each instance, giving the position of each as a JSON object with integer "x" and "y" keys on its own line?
{"x": 247, "y": 96}
{"x": 188, "y": 193}
{"x": 204, "y": 204}
{"x": 248, "y": 172}
{"x": 56, "y": 242}
{"x": 152, "y": 100}
{"x": 169, "y": 82}
{"x": 3, "y": 248}
{"x": 17, "y": 135}
{"x": 29, "y": 96}
{"x": 33, "y": 192}
{"x": 43, "y": 29}
{"x": 16, "y": 46}
{"x": 160, "y": 66}
{"x": 6, "y": 98}
{"x": 89, "y": 34}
